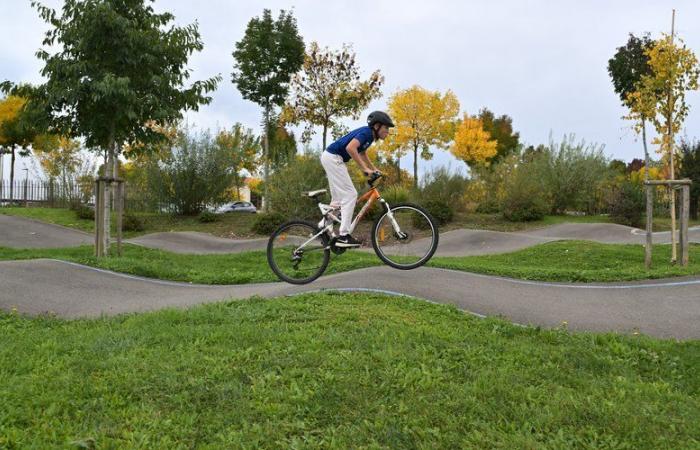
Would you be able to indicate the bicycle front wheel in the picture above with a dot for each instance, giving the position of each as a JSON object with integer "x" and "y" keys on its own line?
{"x": 297, "y": 253}
{"x": 408, "y": 241}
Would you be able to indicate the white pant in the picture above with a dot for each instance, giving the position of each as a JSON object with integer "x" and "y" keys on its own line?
{"x": 343, "y": 192}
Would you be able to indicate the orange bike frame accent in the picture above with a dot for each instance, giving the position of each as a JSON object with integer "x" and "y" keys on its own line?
{"x": 369, "y": 196}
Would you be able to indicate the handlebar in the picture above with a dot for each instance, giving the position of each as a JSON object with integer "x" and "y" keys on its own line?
{"x": 373, "y": 178}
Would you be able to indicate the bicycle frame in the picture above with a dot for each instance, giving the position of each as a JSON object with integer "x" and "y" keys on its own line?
{"x": 368, "y": 197}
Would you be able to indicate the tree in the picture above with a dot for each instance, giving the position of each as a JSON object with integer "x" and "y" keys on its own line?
{"x": 618, "y": 166}
{"x": 423, "y": 119}
{"x": 243, "y": 149}
{"x": 393, "y": 148}
{"x": 635, "y": 165}
{"x": 283, "y": 145}
{"x": 501, "y": 130}
{"x": 660, "y": 97}
{"x": 472, "y": 144}
{"x": 328, "y": 88}
{"x": 12, "y": 134}
{"x": 118, "y": 66}
{"x": 626, "y": 68}
{"x": 265, "y": 59}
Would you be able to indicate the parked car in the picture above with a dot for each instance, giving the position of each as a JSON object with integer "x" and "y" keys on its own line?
{"x": 244, "y": 207}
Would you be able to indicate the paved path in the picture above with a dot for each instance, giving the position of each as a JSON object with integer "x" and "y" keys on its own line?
{"x": 667, "y": 309}
{"x": 659, "y": 308}
{"x": 20, "y": 232}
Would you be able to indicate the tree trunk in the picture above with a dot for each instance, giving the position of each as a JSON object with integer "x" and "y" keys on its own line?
{"x": 415, "y": 166}
{"x": 398, "y": 170}
{"x": 325, "y": 131}
{"x": 646, "y": 151}
{"x": 266, "y": 161}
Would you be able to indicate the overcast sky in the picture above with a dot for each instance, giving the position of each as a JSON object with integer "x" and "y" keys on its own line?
{"x": 544, "y": 63}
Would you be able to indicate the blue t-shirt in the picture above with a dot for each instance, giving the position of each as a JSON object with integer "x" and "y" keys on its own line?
{"x": 362, "y": 134}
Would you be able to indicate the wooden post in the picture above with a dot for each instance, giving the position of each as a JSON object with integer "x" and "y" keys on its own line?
{"x": 650, "y": 221}
{"x": 99, "y": 222}
{"x": 685, "y": 206}
{"x": 120, "y": 215}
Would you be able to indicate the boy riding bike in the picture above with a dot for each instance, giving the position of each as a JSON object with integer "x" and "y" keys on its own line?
{"x": 334, "y": 158}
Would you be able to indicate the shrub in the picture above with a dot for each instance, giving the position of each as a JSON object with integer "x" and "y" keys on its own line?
{"x": 131, "y": 222}
{"x": 489, "y": 206}
{"x": 196, "y": 172}
{"x": 207, "y": 217}
{"x": 443, "y": 185}
{"x": 525, "y": 199}
{"x": 285, "y": 187}
{"x": 627, "y": 205}
{"x": 441, "y": 211}
{"x": 85, "y": 212}
{"x": 266, "y": 223}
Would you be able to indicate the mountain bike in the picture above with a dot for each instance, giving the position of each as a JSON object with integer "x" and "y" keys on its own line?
{"x": 404, "y": 236}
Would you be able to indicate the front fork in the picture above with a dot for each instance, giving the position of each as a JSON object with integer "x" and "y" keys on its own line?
{"x": 397, "y": 229}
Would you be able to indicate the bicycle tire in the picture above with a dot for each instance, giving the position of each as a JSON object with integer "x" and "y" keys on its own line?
{"x": 425, "y": 258}
{"x": 271, "y": 261}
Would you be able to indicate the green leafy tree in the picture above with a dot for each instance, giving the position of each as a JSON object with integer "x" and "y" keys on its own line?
{"x": 117, "y": 66}
{"x": 283, "y": 145}
{"x": 626, "y": 69}
{"x": 265, "y": 59}
{"x": 500, "y": 129}
{"x": 329, "y": 87}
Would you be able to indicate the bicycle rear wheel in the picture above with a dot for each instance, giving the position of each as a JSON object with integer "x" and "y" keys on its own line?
{"x": 413, "y": 244}
{"x": 295, "y": 254}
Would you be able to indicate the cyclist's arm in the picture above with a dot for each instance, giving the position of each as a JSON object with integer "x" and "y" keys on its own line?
{"x": 368, "y": 163}
{"x": 354, "y": 154}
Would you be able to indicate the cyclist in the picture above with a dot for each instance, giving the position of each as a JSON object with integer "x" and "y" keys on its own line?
{"x": 334, "y": 158}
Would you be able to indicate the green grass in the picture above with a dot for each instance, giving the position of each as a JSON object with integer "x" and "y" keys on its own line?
{"x": 228, "y": 225}
{"x": 496, "y": 222}
{"x": 338, "y": 371}
{"x": 577, "y": 261}
{"x": 232, "y": 268}
{"x": 573, "y": 261}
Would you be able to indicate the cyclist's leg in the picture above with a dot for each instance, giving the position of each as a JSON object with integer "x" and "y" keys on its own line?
{"x": 342, "y": 188}
{"x": 327, "y": 161}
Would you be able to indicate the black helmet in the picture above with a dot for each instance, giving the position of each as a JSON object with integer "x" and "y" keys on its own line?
{"x": 379, "y": 117}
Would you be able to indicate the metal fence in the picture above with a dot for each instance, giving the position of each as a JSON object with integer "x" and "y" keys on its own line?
{"x": 47, "y": 193}
{"x": 55, "y": 194}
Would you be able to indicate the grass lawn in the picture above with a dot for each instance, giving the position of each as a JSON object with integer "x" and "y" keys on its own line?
{"x": 338, "y": 371}
{"x": 554, "y": 261}
{"x": 229, "y": 225}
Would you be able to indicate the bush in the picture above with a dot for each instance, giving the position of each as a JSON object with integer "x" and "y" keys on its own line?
{"x": 489, "y": 206}
{"x": 443, "y": 185}
{"x": 627, "y": 205}
{"x": 441, "y": 211}
{"x": 266, "y": 223}
{"x": 131, "y": 222}
{"x": 285, "y": 187}
{"x": 85, "y": 212}
{"x": 197, "y": 171}
{"x": 525, "y": 199}
{"x": 207, "y": 217}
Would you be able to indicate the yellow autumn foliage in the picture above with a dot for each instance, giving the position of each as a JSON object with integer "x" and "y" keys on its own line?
{"x": 473, "y": 144}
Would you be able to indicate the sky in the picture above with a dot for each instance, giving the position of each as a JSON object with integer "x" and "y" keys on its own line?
{"x": 543, "y": 63}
